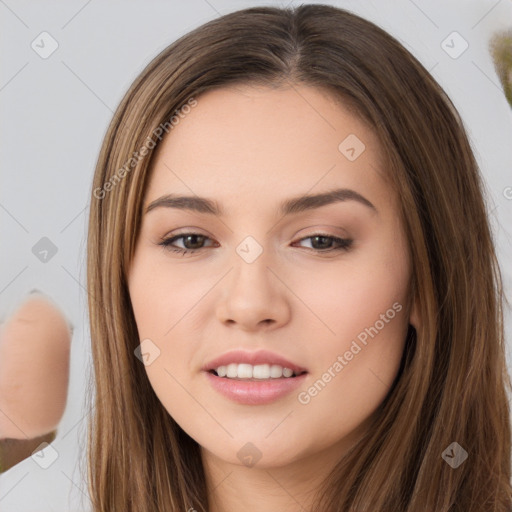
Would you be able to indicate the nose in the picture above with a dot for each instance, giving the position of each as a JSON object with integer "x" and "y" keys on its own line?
{"x": 253, "y": 296}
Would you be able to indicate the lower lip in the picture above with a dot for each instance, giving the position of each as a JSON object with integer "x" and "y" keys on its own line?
{"x": 252, "y": 392}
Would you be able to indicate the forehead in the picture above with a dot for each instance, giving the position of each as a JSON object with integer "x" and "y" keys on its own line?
{"x": 266, "y": 142}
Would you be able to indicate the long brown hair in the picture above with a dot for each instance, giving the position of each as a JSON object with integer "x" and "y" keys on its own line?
{"x": 453, "y": 382}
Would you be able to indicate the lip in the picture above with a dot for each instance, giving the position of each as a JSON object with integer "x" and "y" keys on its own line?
{"x": 253, "y": 358}
{"x": 250, "y": 392}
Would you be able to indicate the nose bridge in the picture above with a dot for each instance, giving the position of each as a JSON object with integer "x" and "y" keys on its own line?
{"x": 251, "y": 261}
{"x": 253, "y": 294}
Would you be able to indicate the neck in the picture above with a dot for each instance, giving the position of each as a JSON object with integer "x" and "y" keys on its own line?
{"x": 289, "y": 488}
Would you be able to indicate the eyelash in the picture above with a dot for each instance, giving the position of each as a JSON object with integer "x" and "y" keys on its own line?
{"x": 344, "y": 243}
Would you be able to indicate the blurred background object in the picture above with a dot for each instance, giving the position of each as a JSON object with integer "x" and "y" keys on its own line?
{"x": 501, "y": 51}
{"x": 34, "y": 375}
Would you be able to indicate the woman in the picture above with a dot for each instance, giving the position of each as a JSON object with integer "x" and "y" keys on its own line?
{"x": 236, "y": 366}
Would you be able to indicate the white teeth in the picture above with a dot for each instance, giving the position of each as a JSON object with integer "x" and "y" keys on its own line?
{"x": 248, "y": 371}
{"x": 261, "y": 371}
{"x": 276, "y": 371}
{"x": 244, "y": 371}
{"x": 232, "y": 370}
{"x": 287, "y": 372}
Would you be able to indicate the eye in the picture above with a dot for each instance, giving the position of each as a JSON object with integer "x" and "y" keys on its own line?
{"x": 323, "y": 243}
{"x": 193, "y": 242}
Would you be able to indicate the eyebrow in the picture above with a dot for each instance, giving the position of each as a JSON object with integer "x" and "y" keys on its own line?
{"x": 288, "y": 207}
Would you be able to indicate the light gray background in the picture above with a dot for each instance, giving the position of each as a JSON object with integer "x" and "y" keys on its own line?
{"x": 55, "y": 112}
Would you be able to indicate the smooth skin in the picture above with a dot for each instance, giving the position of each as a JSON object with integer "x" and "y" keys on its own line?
{"x": 249, "y": 149}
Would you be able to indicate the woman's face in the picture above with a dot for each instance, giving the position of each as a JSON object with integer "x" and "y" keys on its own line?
{"x": 284, "y": 273}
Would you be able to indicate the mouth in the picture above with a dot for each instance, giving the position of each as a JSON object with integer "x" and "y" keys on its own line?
{"x": 254, "y": 378}
{"x": 255, "y": 373}
{"x": 259, "y": 365}
{"x": 251, "y": 391}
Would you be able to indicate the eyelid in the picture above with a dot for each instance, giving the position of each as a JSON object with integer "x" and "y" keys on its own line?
{"x": 316, "y": 230}
{"x": 325, "y": 230}
{"x": 176, "y": 236}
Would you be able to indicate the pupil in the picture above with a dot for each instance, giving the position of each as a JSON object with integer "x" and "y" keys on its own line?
{"x": 193, "y": 237}
{"x": 324, "y": 238}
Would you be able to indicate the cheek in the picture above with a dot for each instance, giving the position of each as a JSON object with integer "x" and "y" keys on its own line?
{"x": 347, "y": 297}
{"x": 161, "y": 295}
{"x": 163, "y": 300}
{"x": 158, "y": 307}
{"x": 354, "y": 366}
{"x": 359, "y": 330}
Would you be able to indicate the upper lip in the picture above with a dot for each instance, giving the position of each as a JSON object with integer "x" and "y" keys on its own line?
{"x": 253, "y": 358}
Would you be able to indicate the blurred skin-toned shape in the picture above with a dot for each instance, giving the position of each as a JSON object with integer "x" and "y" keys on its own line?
{"x": 34, "y": 376}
